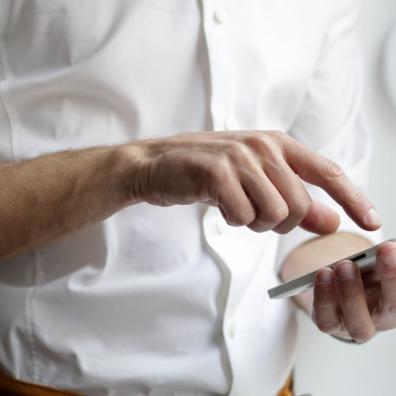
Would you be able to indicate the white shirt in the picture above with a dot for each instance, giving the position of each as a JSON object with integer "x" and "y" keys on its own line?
{"x": 166, "y": 301}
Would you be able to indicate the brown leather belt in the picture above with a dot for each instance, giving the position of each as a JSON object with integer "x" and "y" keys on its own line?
{"x": 287, "y": 389}
{"x": 13, "y": 387}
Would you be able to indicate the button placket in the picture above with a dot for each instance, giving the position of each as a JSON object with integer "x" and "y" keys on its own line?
{"x": 216, "y": 21}
{"x": 216, "y": 24}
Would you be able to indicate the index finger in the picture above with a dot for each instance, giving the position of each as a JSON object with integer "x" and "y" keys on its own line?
{"x": 322, "y": 172}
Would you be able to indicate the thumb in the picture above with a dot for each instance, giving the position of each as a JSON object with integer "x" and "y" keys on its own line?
{"x": 321, "y": 219}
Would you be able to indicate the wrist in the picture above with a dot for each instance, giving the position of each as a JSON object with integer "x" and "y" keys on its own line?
{"x": 131, "y": 171}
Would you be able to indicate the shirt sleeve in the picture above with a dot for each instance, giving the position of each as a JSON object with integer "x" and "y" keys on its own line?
{"x": 331, "y": 120}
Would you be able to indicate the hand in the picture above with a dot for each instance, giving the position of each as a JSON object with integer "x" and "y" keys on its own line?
{"x": 350, "y": 305}
{"x": 253, "y": 177}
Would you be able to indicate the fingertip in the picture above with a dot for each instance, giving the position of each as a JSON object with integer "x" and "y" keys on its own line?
{"x": 368, "y": 219}
{"x": 324, "y": 285}
{"x": 324, "y": 277}
{"x": 385, "y": 248}
{"x": 345, "y": 270}
{"x": 372, "y": 219}
{"x": 386, "y": 257}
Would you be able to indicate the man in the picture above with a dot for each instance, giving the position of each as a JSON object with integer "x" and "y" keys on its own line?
{"x": 119, "y": 275}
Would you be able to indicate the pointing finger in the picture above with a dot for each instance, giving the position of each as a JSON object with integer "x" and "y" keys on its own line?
{"x": 320, "y": 171}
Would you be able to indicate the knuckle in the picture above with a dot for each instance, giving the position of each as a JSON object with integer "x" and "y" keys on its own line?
{"x": 278, "y": 135}
{"x": 282, "y": 138}
{"x": 302, "y": 207}
{"x": 263, "y": 142}
{"x": 221, "y": 171}
{"x": 355, "y": 198}
{"x": 284, "y": 229}
{"x": 214, "y": 177}
{"x": 361, "y": 334}
{"x": 253, "y": 140}
{"x": 242, "y": 218}
{"x": 250, "y": 219}
{"x": 258, "y": 226}
{"x": 328, "y": 327}
{"x": 279, "y": 214}
{"x": 237, "y": 152}
{"x": 332, "y": 170}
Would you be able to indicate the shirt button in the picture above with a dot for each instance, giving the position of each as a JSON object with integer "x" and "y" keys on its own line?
{"x": 219, "y": 17}
{"x": 230, "y": 124}
{"x": 232, "y": 330}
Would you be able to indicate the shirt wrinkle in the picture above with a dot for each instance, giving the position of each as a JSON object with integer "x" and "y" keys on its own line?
{"x": 166, "y": 300}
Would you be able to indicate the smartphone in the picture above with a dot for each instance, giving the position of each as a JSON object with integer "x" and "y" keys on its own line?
{"x": 365, "y": 260}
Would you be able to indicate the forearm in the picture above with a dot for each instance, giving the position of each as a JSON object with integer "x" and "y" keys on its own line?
{"x": 317, "y": 253}
{"x": 47, "y": 197}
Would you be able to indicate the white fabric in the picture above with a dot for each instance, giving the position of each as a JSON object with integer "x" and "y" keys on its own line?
{"x": 165, "y": 301}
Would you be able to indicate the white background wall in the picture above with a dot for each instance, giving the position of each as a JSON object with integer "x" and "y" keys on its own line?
{"x": 326, "y": 367}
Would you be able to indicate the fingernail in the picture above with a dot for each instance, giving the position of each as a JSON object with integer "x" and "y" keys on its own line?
{"x": 373, "y": 218}
{"x": 389, "y": 260}
{"x": 346, "y": 270}
{"x": 325, "y": 277}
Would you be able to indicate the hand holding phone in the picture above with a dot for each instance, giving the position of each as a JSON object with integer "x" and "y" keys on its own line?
{"x": 365, "y": 260}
